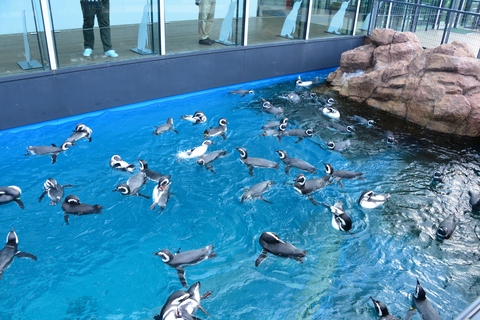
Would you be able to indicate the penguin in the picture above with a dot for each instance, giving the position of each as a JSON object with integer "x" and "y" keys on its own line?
{"x": 339, "y": 146}
{"x": 274, "y": 132}
{"x": 474, "y": 200}
{"x": 271, "y": 243}
{"x": 423, "y": 305}
{"x": 72, "y": 205}
{"x": 382, "y": 310}
{"x": 308, "y": 95}
{"x": 292, "y": 97}
{"x": 301, "y": 83}
{"x": 306, "y": 187}
{"x": 342, "y": 174}
{"x": 294, "y": 162}
{"x": 117, "y": 163}
{"x": 81, "y": 131}
{"x": 331, "y": 112}
{"x": 255, "y": 162}
{"x": 446, "y": 227}
{"x": 269, "y": 108}
{"x": 370, "y": 200}
{"x": 340, "y": 128}
{"x": 161, "y": 193}
{"x": 325, "y": 101}
{"x": 133, "y": 185}
{"x": 300, "y": 133}
{"x": 217, "y": 131}
{"x": 243, "y": 93}
{"x": 11, "y": 193}
{"x": 256, "y": 191}
{"x": 180, "y": 260}
{"x": 363, "y": 121}
{"x": 196, "y": 118}
{"x": 195, "y": 152}
{"x": 52, "y": 150}
{"x": 275, "y": 124}
{"x": 10, "y": 251}
{"x": 438, "y": 175}
{"x": 54, "y": 190}
{"x": 183, "y": 304}
{"x": 207, "y": 159}
{"x": 151, "y": 175}
{"x": 390, "y": 138}
{"x": 340, "y": 219}
{"x": 167, "y": 126}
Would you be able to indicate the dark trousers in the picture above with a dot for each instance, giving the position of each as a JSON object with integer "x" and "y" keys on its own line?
{"x": 101, "y": 9}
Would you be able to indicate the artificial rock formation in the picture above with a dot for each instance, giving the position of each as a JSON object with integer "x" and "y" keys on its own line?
{"x": 438, "y": 88}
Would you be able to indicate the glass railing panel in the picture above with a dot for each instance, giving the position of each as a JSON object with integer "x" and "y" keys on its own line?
{"x": 332, "y": 18}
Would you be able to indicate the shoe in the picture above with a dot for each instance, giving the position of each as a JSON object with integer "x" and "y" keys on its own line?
{"x": 87, "y": 52}
{"x": 111, "y": 53}
{"x": 206, "y": 42}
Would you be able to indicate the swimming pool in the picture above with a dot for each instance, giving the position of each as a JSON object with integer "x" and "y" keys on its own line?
{"x": 102, "y": 267}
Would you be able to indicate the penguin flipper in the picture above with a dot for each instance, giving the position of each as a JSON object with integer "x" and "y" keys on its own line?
{"x": 287, "y": 170}
{"x": 54, "y": 158}
{"x": 142, "y": 195}
{"x": 20, "y": 203}
{"x": 42, "y": 195}
{"x": 263, "y": 199}
{"x": 65, "y": 218}
{"x": 210, "y": 167}
{"x": 21, "y": 254}
{"x": 250, "y": 170}
{"x": 312, "y": 200}
{"x": 223, "y": 136}
{"x": 175, "y": 131}
{"x": 181, "y": 276}
{"x": 299, "y": 139}
{"x": 261, "y": 257}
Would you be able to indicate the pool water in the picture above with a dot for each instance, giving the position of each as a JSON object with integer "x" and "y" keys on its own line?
{"x": 102, "y": 267}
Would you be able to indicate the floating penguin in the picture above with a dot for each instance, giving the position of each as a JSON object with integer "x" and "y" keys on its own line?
{"x": 340, "y": 128}
{"x": 275, "y": 124}
{"x": 10, "y": 251}
{"x": 339, "y": 146}
{"x": 306, "y": 187}
{"x": 370, "y": 200}
{"x": 51, "y": 151}
{"x": 151, "y": 175}
{"x": 423, "y": 305}
{"x": 294, "y": 162}
{"x": 289, "y": 25}
{"x": 390, "y": 138}
{"x": 256, "y": 191}
{"x": 9, "y": 194}
{"x": 168, "y": 126}
{"x": 340, "y": 219}
{"x": 331, "y": 112}
{"x": 207, "y": 159}
{"x": 183, "y": 304}
{"x": 446, "y": 227}
{"x": 324, "y": 101}
{"x": 255, "y": 162}
{"x": 180, "y": 260}
{"x": 133, "y": 185}
{"x": 292, "y": 97}
{"x": 81, "y": 131}
{"x": 337, "y": 21}
{"x": 217, "y": 131}
{"x": 196, "y": 118}
{"x": 72, "y": 205}
{"x": 438, "y": 175}
{"x": 271, "y": 243}
{"x": 243, "y": 93}
{"x": 117, "y": 163}
{"x": 382, "y": 310}
{"x": 161, "y": 193}
{"x": 54, "y": 190}
{"x": 196, "y": 151}
{"x": 269, "y": 108}
{"x": 301, "y": 83}
{"x": 363, "y": 121}
{"x": 300, "y": 133}
{"x": 274, "y": 132}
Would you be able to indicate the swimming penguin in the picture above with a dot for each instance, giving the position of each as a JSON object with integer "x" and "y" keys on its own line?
{"x": 72, "y": 205}
{"x": 325, "y": 101}
{"x": 152, "y": 175}
{"x": 243, "y": 93}
{"x": 196, "y": 118}
{"x": 423, "y": 305}
{"x": 116, "y": 162}
{"x": 275, "y": 132}
{"x": 272, "y": 243}
{"x": 474, "y": 200}
{"x": 54, "y": 191}
{"x": 292, "y": 97}
{"x": 340, "y": 128}
{"x": 160, "y": 194}
{"x": 255, "y": 162}
{"x": 217, "y": 131}
{"x": 340, "y": 219}
{"x": 181, "y": 305}
{"x": 133, "y": 185}
{"x": 364, "y": 121}
{"x": 9, "y": 194}
{"x": 342, "y": 174}
{"x": 10, "y": 251}
{"x": 180, "y": 260}
{"x": 294, "y": 162}
{"x": 196, "y": 151}
{"x": 269, "y": 108}
{"x": 275, "y": 124}
{"x": 301, "y": 83}
{"x": 446, "y": 227}
{"x": 300, "y": 133}
{"x": 52, "y": 150}
{"x": 370, "y": 200}
{"x": 339, "y": 146}
{"x": 81, "y": 131}
{"x": 331, "y": 113}
{"x": 256, "y": 191}
{"x": 438, "y": 175}
{"x": 308, "y": 95}
{"x": 168, "y": 126}
{"x": 390, "y": 138}
{"x": 382, "y": 310}
{"x": 207, "y": 159}
{"x": 306, "y": 187}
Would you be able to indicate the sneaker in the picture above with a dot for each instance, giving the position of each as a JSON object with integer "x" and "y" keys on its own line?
{"x": 111, "y": 53}
{"x": 87, "y": 52}
{"x": 206, "y": 42}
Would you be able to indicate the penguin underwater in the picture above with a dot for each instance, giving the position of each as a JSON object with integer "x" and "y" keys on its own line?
{"x": 161, "y": 194}
{"x": 195, "y": 151}
{"x": 133, "y": 185}
{"x": 271, "y": 243}
{"x": 10, "y": 251}
{"x": 9, "y": 194}
{"x": 242, "y": 92}
{"x": 300, "y": 133}
{"x": 72, "y": 205}
{"x": 306, "y": 187}
{"x": 151, "y": 175}
{"x": 167, "y": 126}
{"x": 52, "y": 150}
{"x": 207, "y": 159}
{"x": 117, "y": 163}
{"x": 269, "y": 108}
{"x": 217, "y": 131}
{"x": 54, "y": 190}
{"x": 256, "y": 191}
{"x": 255, "y": 162}
{"x": 294, "y": 162}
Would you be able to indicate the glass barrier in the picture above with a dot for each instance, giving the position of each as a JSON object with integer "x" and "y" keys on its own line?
{"x": 334, "y": 18}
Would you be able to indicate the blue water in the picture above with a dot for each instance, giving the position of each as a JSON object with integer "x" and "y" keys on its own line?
{"x": 102, "y": 267}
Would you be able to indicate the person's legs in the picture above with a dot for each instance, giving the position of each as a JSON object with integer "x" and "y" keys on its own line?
{"x": 103, "y": 16}
{"x": 203, "y": 14}
{"x": 210, "y": 15}
{"x": 88, "y": 21}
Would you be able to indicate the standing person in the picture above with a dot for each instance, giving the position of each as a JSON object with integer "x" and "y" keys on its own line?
{"x": 101, "y": 9}
{"x": 206, "y": 13}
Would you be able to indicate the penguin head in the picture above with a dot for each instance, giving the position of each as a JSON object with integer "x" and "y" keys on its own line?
{"x": 284, "y": 121}
{"x": 328, "y": 168}
{"x": 271, "y": 237}
{"x": 300, "y": 179}
{"x": 199, "y": 116}
{"x": 281, "y": 153}
{"x": 165, "y": 255}
{"x": 12, "y": 238}
{"x": 380, "y": 307}
{"x": 170, "y": 120}
{"x": 420, "y": 292}
{"x": 223, "y": 122}
{"x": 370, "y": 122}
{"x": 331, "y": 145}
{"x": 350, "y": 129}
{"x": 66, "y": 145}
{"x": 72, "y": 199}
{"x": 267, "y": 105}
{"x": 313, "y": 95}
{"x": 123, "y": 188}
{"x": 83, "y": 128}
{"x": 201, "y": 161}
{"x": 51, "y": 183}
{"x": 17, "y": 189}
{"x": 162, "y": 184}
{"x": 309, "y": 132}
{"x": 282, "y": 127}
{"x": 143, "y": 164}
{"x": 243, "y": 152}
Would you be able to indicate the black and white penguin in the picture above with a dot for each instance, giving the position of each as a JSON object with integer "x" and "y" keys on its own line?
{"x": 217, "y": 131}
{"x": 72, "y": 205}
{"x": 390, "y": 138}
{"x": 439, "y": 175}
{"x": 10, "y": 251}
{"x": 364, "y": 121}
{"x": 54, "y": 190}
{"x": 116, "y": 162}
{"x": 161, "y": 194}
{"x": 242, "y": 92}
{"x": 299, "y": 82}
{"x": 370, "y": 200}
{"x": 299, "y": 133}
{"x": 151, "y": 175}
{"x": 295, "y": 163}
{"x": 339, "y": 146}
{"x": 340, "y": 128}
{"x": 181, "y": 305}
{"x": 196, "y": 118}
{"x": 180, "y": 260}
{"x": 423, "y": 305}
{"x": 255, "y": 192}
{"x": 292, "y": 97}
{"x": 275, "y": 124}
{"x": 325, "y": 101}
{"x": 474, "y": 200}
{"x": 195, "y": 152}
{"x": 446, "y": 227}
{"x": 9, "y": 194}
{"x": 331, "y": 112}
{"x": 270, "y": 108}
{"x": 382, "y": 310}
{"x": 342, "y": 174}
{"x": 81, "y": 131}
{"x": 271, "y": 243}
{"x": 51, "y": 151}
{"x": 307, "y": 187}
{"x": 340, "y": 219}
{"x": 133, "y": 185}
{"x": 255, "y": 162}
{"x": 167, "y": 126}
{"x": 207, "y": 159}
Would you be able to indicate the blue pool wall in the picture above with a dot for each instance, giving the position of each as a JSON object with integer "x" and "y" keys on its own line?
{"x": 37, "y": 97}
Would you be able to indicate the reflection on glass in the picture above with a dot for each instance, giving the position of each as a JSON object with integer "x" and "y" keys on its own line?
{"x": 336, "y": 18}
